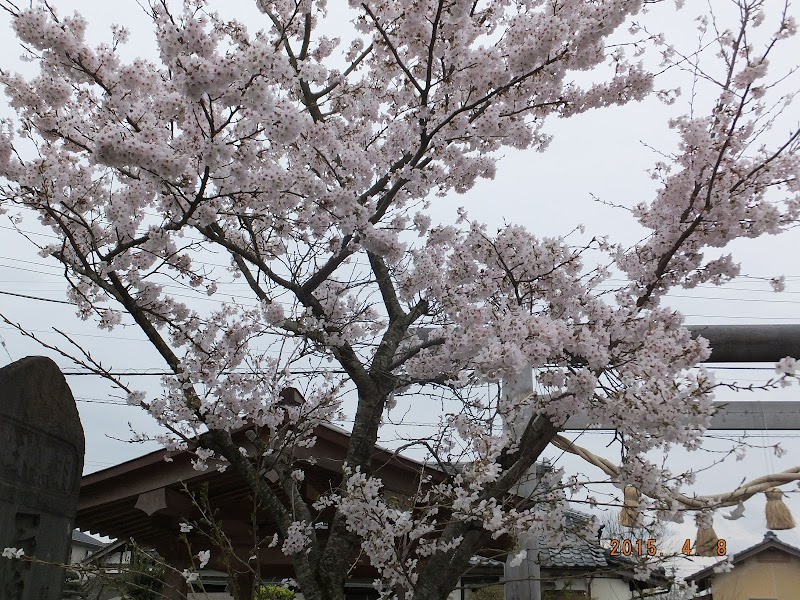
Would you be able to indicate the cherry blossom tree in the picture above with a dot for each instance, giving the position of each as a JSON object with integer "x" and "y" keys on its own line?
{"x": 311, "y": 163}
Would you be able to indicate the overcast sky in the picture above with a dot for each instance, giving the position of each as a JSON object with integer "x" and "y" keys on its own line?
{"x": 600, "y": 154}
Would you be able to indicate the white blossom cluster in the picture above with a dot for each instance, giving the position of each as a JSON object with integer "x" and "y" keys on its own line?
{"x": 13, "y": 553}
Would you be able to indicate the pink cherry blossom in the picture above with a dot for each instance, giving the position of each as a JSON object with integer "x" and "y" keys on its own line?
{"x": 301, "y": 167}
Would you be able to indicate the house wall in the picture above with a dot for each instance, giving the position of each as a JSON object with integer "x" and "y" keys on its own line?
{"x": 601, "y": 588}
{"x": 78, "y": 552}
{"x": 116, "y": 562}
{"x": 574, "y": 584}
{"x": 771, "y": 574}
{"x": 605, "y": 588}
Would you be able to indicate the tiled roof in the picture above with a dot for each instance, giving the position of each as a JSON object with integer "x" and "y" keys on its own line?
{"x": 574, "y": 553}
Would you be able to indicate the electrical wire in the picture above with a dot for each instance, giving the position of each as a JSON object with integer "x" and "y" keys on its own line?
{"x": 610, "y": 279}
{"x": 90, "y": 335}
{"x": 703, "y": 286}
{"x": 36, "y": 298}
{"x": 694, "y": 316}
{"x": 199, "y": 296}
{"x": 238, "y": 283}
{"x": 170, "y": 373}
{"x": 603, "y": 432}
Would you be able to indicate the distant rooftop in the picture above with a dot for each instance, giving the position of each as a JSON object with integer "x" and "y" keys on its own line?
{"x": 770, "y": 541}
{"x": 78, "y": 537}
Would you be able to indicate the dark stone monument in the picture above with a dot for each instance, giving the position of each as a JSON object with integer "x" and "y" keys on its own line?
{"x": 41, "y": 461}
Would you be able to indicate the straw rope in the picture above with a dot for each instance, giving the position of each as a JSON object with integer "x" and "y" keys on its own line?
{"x": 743, "y": 492}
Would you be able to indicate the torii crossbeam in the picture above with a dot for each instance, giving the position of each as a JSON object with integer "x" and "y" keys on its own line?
{"x": 742, "y": 344}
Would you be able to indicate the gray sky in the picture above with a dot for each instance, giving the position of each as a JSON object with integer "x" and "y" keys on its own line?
{"x": 598, "y": 154}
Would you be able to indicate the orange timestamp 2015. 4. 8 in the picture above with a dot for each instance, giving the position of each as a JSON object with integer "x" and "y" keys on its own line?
{"x": 648, "y": 547}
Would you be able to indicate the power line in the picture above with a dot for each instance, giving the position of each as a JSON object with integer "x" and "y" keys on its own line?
{"x": 151, "y": 373}
{"x": 748, "y": 277}
{"x": 610, "y": 279}
{"x": 91, "y": 335}
{"x": 199, "y": 296}
{"x": 202, "y": 297}
{"x": 255, "y": 306}
{"x": 775, "y": 435}
{"x": 18, "y": 230}
{"x": 729, "y": 299}
{"x": 738, "y": 368}
{"x": 56, "y": 301}
{"x": 30, "y": 262}
{"x": 605, "y": 282}
{"x": 27, "y": 270}
{"x": 791, "y": 319}
{"x": 133, "y": 373}
{"x": 709, "y": 286}
{"x": 389, "y": 424}
{"x": 37, "y": 298}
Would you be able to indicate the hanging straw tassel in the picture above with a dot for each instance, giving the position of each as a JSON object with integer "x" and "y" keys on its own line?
{"x": 778, "y": 515}
{"x": 706, "y": 543}
{"x": 629, "y": 515}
